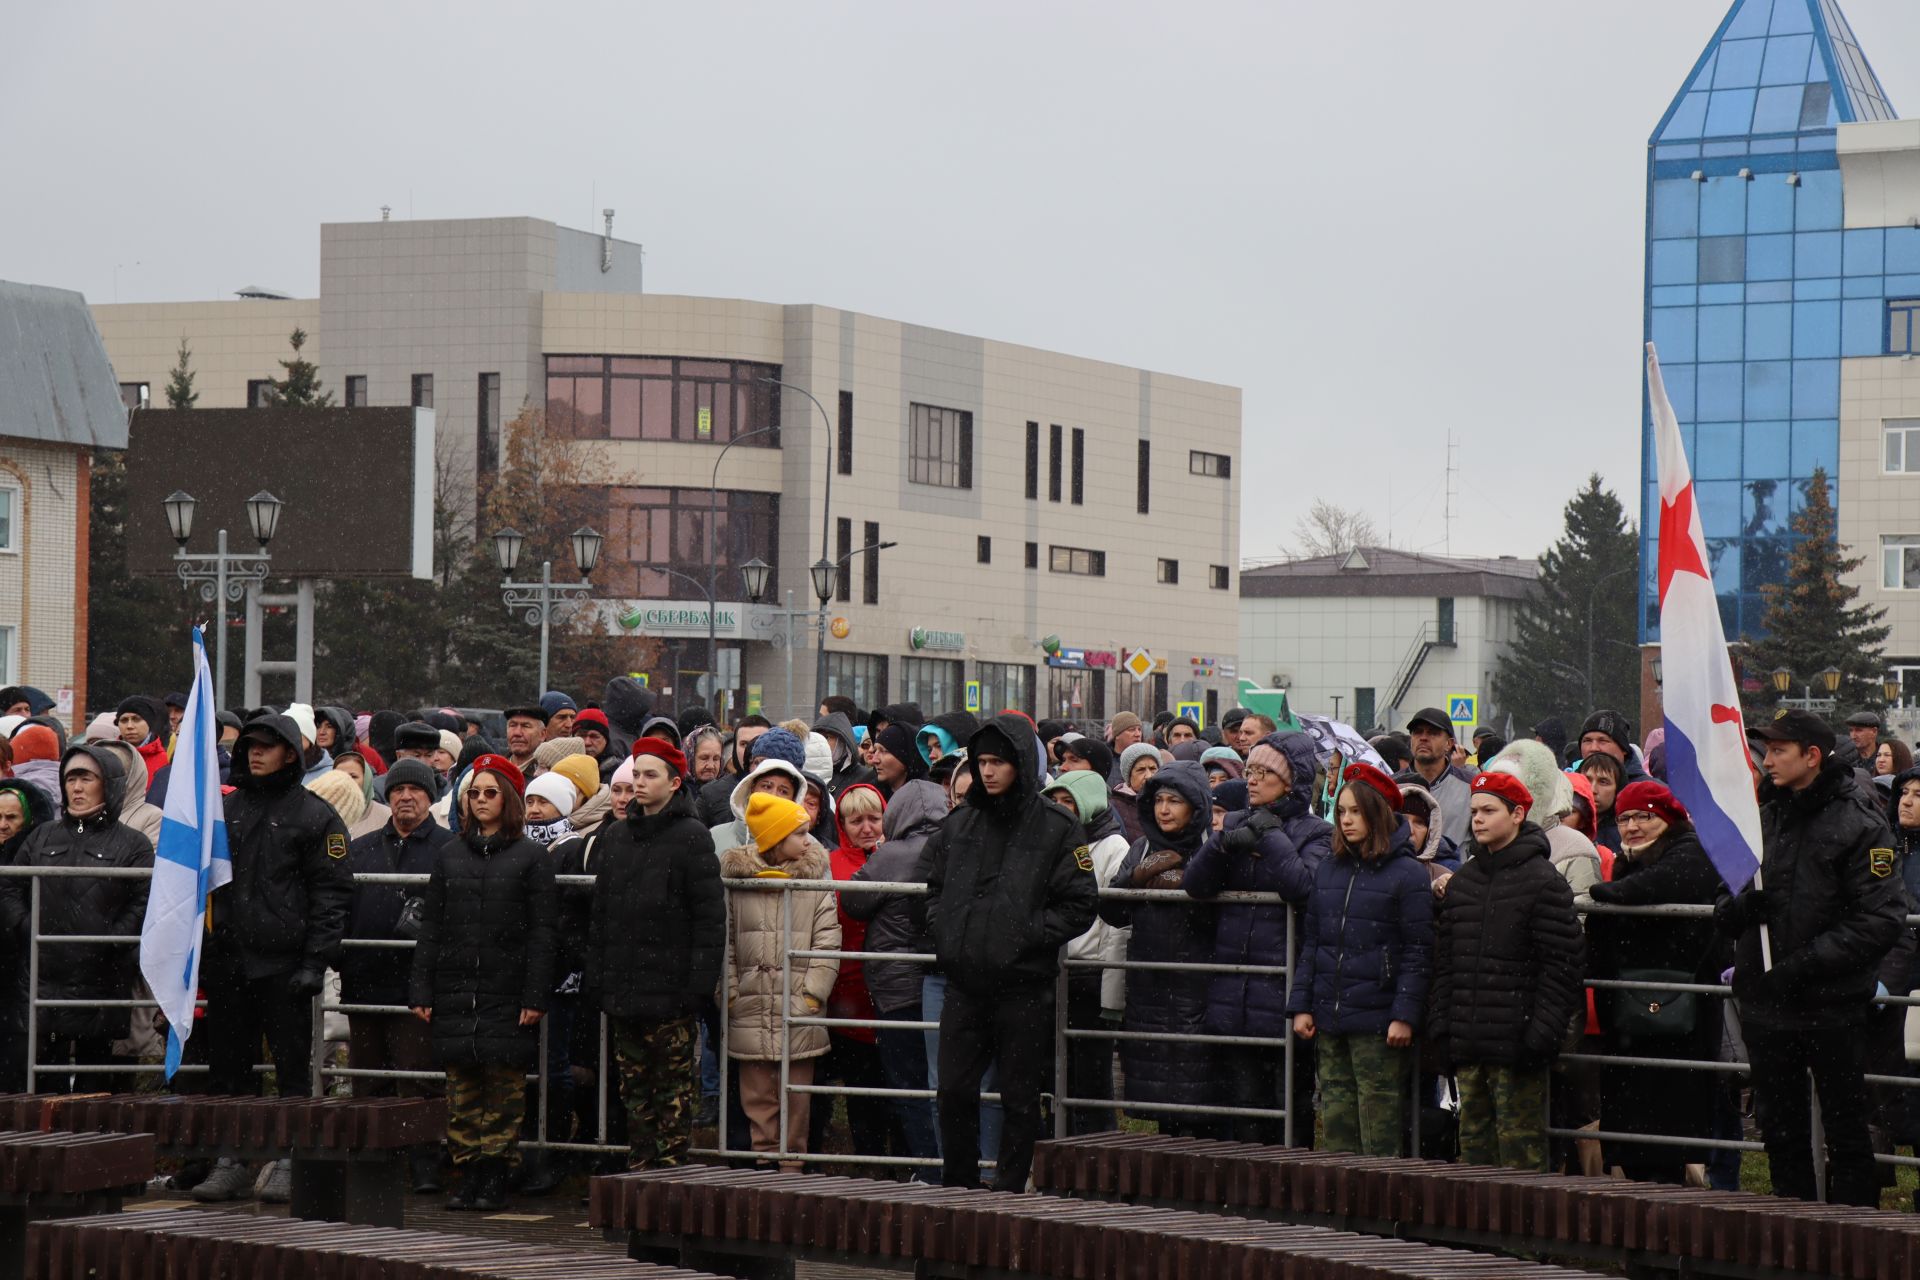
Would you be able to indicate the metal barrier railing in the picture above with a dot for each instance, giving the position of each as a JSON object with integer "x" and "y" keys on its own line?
{"x": 1063, "y": 1101}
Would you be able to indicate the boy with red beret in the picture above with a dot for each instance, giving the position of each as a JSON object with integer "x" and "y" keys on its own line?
{"x": 1507, "y": 969}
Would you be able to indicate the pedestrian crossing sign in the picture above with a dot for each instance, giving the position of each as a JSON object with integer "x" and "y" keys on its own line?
{"x": 1462, "y": 708}
{"x": 1194, "y": 711}
{"x": 973, "y": 696}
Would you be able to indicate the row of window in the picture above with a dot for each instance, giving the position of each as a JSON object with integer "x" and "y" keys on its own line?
{"x": 663, "y": 398}
{"x": 941, "y": 683}
{"x": 1083, "y": 561}
{"x": 420, "y": 396}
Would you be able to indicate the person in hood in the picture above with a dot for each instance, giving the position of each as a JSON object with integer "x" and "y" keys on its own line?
{"x": 483, "y": 975}
{"x": 906, "y": 823}
{"x": 1173, "y": 1068}
{"x": 1834, "y": 904}
{"x": 715, "y": 802}
{"x": 275, "y": 928}
{"x": 1433, "y": 746}
{"x": 1662, "y": 863}
{"x": 88, "y": 835}
{"x": 762, "y": 988}
{"x": 1091, "y": 993}
{"x": 36, "y": 759}
{"x": 24, "y": 700}
{"x": 770, "y": 776}
{"x": 1273, "y": 846}
{"x": 897, "y": 759}
{"x": 134, "y": 809}
{"x": 1366, "y": 955}
{"x": 848, "y": 769}
{"x": 853, "y": 1055}
{"x": 355, "y": 765}
{"x": 706, "y": 752}
{"x": 1008, "y": 884}
{"x": 333, "y": 730}
{"x": 1137, "y": 763}
{"x": 23, "y": 807}
{"x": 657, "y": 931}
{"x": 1507, "y": 977}
{"x": 627, "y": 703}
{"x": 1436, "y": 854}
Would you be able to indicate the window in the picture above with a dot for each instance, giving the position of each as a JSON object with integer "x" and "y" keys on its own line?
{"x": 1900, "y": 561}
{"x": 1169, "y": 572}
{"x": 1004, "y": 686}
{"x": 845, "y": 442}
{"x": 257, "y": 392}
{"x": 1218, "y": 577}
{"x": 9, "y": 517}
{"x": 940, "y": 446}
{"x": 1209, "y": 464}
{"x": 1903, "y": 327}
{"x": 1033, "y": 555}
{"x": 983, "y": 550}
{"x": 422, "y": 391}
{"x": 356, "y": 391}
{"x": 487, "y": 433}
{"x": 1076, "y": 695}
{"x": 1079, "y": 466}
{"x": 1033, "y": 462}
{"x": 1364, "y": 714}
{"x": 870, "y": 588}
{"x": 136, "y": 395}
{"x": 1443, "y": 619}
{"x": 1092, "y": 564}
{"x": 1053, "y": 463}
{"x": 843, "y": 558}
{"x": 860, "y": 676}
{"x": 650, "y": 530}
{"x": 1143, "y": 492}
{"x": 662, "y": 398}
{"x": 1902, "y": 445}
{"x": 9, "y": 670}
{"x": 931, "y": 682}
{"x": 1723, "y": 259}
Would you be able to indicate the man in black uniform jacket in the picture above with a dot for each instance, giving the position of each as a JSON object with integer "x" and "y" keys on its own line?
{"x": 1009, "y": 882}
{"x": 1834, "y": 902}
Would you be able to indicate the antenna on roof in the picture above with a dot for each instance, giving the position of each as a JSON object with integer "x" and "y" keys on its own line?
{"x": 1448, "y": 515}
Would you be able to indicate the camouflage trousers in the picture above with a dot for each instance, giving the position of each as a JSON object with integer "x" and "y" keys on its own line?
{"x": 484, "y": 1108}
{"x": 1503, "y": 1115}
{"x": 1363, "y": 1094}
{"x": 659, "y": 1083}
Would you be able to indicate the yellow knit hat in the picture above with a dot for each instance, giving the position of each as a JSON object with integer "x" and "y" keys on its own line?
{"x": 771, "y": 820}
{"x": 582, "y": 772}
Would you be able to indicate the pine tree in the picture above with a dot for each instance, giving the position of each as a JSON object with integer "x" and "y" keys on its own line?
{"x": 1586, "y": 593}
{"x": 1813, "y": 620}
{"x": 131, "y": 622}
{"x": 300, "y": 389}
{"x": 180, "y": 392}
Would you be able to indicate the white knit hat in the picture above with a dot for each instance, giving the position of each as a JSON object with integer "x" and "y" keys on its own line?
{"x": 557, "y": 790}
{"x": 302, "y": 716}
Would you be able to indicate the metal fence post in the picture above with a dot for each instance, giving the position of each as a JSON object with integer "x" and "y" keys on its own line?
{"x": 1060, "y": 1048}
{"x": 786, "y": 1012}
{"x": 33, "y": 983}
{"x": 540, "y": 1094}
{"x": 601, "y": 1083}
{"x": 1818, "y": 1135}
{"x": 1286, "y": 1073}
{"x": 721, "y": 1060}
{"x": 317, "y": 1060}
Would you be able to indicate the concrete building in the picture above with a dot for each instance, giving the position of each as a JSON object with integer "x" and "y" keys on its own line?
{"x": 1031, "y": 495}
{"x": 1783, "y": 291}
{"x": 1373, "y": 635}
{"x": 57, "y": 402}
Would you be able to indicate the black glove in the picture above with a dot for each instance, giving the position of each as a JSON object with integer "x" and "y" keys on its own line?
{"x": 1244, "y": 840}
{"x": 305, "y": 983}
{"x": 1736, "y": 915}
{"x": 1779, "y": 982}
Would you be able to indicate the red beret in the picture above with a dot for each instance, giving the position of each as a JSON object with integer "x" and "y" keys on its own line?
{"x": 593, "y": 716}
{"x": 675, "y": 758}
{"x": 508, "y": 772}
{"x": 1652, "y": 797}
{"x": 1366, "y": 775}
{"x": 1494, "y": 782}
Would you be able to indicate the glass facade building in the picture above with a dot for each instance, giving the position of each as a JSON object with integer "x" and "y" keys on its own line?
{"x": 1755, "y": 289}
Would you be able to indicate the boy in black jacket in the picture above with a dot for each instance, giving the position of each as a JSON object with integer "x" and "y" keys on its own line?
{"x": 654, "y": 944}
{"x": 1507, "y": 966}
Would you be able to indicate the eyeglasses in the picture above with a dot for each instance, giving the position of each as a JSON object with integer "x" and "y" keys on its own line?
{"x": 1634, "y": 819}
{"x": 1255, "y": 772}
{"x": 484, "y": 793}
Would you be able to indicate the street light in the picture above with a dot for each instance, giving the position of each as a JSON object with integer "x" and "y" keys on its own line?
{"x": 222, "y": 578}
{"x": 1830, "y": 680}
{"x": 1890, "y": 689}
{"x": 1782, "y": 679}
{"x": 753, "y": 574}
{"x": 542, "y": 599}
{"x": 825, "y": 573}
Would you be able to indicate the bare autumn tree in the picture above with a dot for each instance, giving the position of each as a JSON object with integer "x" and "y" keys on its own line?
{"x": 1330, "y": 530}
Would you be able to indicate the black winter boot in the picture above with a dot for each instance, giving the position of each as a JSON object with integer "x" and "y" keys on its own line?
{"x": 490, "y": 1195}
{"x": 466, "y": 1185}
{"x": 423, "y": 1167}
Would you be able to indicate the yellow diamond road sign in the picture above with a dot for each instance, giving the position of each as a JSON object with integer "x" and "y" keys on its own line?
{"x": 1140, "y": 664}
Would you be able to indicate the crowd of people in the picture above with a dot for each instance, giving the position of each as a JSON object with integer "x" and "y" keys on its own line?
{"x": 1425, "y": 888}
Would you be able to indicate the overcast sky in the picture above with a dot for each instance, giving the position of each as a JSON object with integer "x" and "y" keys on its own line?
{"x": 1385, "y": 220}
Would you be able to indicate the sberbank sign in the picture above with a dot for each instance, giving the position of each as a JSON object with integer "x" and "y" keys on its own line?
{"x": 670, "y": 619}
{"x": 944, "y": 641}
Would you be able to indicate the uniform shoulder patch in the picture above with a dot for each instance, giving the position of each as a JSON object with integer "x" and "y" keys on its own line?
{"x": 1880, "y": 862}
{"x": 336, "y": 844}
{"x": 1083, "y": 858}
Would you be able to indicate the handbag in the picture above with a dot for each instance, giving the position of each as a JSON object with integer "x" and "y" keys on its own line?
{"x": 1654, "y": 1013}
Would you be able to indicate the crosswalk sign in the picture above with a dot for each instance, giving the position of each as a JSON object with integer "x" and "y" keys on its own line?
{"x": 1194, "y": 711}
{"x": 1463, "y": 708}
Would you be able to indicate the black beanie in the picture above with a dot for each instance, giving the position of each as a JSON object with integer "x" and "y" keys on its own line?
{"x": 413, "y": 772}
{"x": 897, "y": 741}
{"x": 1613, "y": 724}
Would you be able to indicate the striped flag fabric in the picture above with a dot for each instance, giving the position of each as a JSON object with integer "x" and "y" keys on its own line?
{"x": 190, "y": 862}
{"x": 1707, "y": 763}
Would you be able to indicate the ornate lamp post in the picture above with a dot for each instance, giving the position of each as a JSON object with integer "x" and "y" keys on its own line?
{"x": 222, "y": 577}
{"x": 542, "y": 599}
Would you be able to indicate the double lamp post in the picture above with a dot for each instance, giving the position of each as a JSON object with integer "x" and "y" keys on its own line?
{"x": 223, "y": 577}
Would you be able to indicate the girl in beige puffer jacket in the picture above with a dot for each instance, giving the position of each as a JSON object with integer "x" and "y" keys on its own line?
{"x": 758, "y": 1001}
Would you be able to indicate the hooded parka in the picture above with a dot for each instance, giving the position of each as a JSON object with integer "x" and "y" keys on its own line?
{"x": 912, "y": 816}
{"x": 755, "y": 994}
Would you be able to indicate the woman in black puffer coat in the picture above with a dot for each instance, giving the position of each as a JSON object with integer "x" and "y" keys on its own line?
{"x": 88, "y": 834}
{"x": 483, "y": 972}
{"x": 1175, "y": 1070}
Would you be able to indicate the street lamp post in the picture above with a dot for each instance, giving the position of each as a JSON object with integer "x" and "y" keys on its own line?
{"x": 825, "y": 574}
{"x": 713, "y": 508}
{"x": 823, "y": 568}
{"x": 1829, "y": 680}
{"x": 755, "y": 572}
{"x": 542, "y": 599}
{"x": 222, "y": 577}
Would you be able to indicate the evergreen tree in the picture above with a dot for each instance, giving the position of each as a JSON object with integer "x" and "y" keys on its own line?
{"x": 180, "y": 392}
{"x": 1814, "y": 621}
{"x": 136, "y": 627}
{"x": 300, "y": 389}
{"x": 1581, "y": 613}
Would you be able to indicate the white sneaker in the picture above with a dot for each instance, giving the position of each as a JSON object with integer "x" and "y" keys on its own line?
{"x": 278, "y": 1186}
{"x": 228, "y": 1181}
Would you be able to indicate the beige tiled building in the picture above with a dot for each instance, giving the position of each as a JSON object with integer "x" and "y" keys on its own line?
{"x": 1034, "y": 497}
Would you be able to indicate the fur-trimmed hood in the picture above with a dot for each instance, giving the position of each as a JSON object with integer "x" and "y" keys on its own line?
{"x": 746, "y": 862}
{"x": 1533, "y": 763}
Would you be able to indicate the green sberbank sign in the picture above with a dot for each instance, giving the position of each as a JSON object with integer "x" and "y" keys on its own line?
{"x": 940, "y": 641}
{"x": 676, "y": 619}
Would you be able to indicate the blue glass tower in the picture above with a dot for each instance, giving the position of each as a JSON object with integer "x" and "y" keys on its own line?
{"x": 1754, "y": 292}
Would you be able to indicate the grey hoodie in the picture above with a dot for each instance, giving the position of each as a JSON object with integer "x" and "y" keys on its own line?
{"x": 915, "y": 812}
